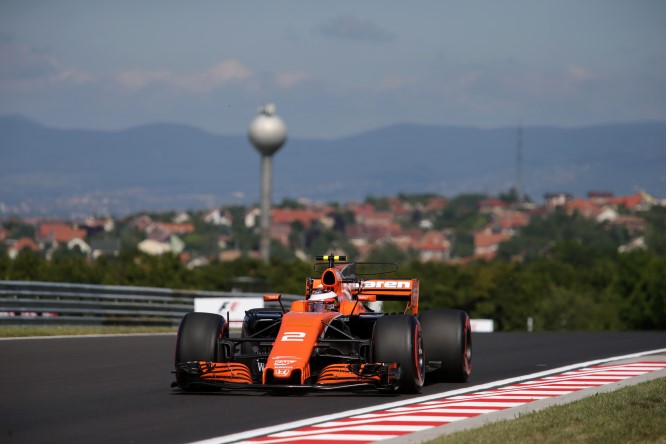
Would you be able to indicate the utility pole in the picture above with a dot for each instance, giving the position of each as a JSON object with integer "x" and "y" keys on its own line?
{"x": 519, "y": 163}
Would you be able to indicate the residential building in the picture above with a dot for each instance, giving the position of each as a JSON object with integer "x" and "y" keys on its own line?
{"x": 58, "y": 232}
{"x": 24, "y": 243}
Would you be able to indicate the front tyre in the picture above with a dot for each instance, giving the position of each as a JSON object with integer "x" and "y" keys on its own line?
{"x": 447, "y": 338}
{"x": 198, "y": 337}
{"x": 397, "y": 338}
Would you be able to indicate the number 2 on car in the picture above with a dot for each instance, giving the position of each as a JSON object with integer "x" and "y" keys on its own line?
{"x": 293, "y": 336}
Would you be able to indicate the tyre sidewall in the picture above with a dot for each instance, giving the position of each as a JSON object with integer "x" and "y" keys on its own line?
{"x": 398, "y": 338}
{"x": 447, "y": 339}
{"x": 198, "y": 337}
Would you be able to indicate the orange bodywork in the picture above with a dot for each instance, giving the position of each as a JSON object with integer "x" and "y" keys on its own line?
{"x": 225, "y": 372}
{"x": 289, "y": 359}
{"x": 344, "y": 373}
{"x": 382, "y": 289}
{"x": 394, "y": 289}
{"x": 303, "y": 328}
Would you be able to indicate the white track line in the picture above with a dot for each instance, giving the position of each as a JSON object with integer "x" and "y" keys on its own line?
{"x": 332, "y": 417}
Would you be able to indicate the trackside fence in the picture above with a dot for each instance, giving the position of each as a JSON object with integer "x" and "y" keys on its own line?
{"x": 52, "y": 303}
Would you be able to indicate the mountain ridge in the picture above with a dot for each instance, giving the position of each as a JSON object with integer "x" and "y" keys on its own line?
{"x": 175, "y": 166}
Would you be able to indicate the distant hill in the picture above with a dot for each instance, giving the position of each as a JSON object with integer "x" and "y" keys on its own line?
{"x": 167, "y": 166}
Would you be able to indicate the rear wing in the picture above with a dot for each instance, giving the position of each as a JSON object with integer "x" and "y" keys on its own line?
{"x": 406, "y": 290}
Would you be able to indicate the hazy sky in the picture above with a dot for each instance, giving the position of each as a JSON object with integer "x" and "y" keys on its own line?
{"x": 333, "y": 68}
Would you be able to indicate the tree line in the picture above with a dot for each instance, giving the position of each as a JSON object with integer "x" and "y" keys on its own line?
{"x": 620, "y": 292}
{"x": 569, "y": 276}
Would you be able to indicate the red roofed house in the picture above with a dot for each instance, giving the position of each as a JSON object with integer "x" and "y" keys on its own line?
{"x": 374, "y": 231}
{"x": 398, "y": 207}
{"x": 161, "y": 231}
{"x": 511, "y": 220}
{"x": 177, "y": 228}
{"x": 283, "y": 218}
{"x": 288, "y": 215}
{"x": 362, "y": 210}
{"x": 587, "y": 209}
{"x": 486, "y": 243}
{"x": 281, "y": 233}
{"x": 20, "y": 245}
{"x": 378, "y": 219}
{"x": 97, "y": 225}
{"x": 435, "y": 203}
{"x": 59, "y": 232}
{"x": 433, "y": 246}
{"x": 633, "y": 202}
{"x": 491, "y": 205}
{"x": 141, "y": 223}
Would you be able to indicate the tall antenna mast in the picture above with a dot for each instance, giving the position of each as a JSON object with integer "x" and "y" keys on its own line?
{"x": 519, "y": 162}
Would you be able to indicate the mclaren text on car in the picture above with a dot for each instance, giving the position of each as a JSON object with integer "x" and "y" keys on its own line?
{"x": 330, "y": 339}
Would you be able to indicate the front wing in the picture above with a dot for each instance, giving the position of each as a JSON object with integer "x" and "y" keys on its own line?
{"x": 198, "y": 375}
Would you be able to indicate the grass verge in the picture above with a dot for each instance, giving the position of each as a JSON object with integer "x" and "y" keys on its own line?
{"x": 23, "y": 331}
{"x": 635, "y": 414}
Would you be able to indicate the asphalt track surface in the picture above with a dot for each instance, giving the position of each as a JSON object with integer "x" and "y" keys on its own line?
{"x": 117, "y": 389}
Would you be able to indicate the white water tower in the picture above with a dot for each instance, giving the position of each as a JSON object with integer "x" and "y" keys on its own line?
{"x": 267, "y": 134}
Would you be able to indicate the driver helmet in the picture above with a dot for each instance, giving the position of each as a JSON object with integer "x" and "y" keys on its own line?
{"x": 322, "y": 300}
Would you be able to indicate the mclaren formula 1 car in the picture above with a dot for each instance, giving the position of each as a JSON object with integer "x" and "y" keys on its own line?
{"x": 328, "y": 340}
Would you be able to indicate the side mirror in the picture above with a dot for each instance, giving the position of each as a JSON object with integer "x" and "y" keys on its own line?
{"x": 275, "y": 298}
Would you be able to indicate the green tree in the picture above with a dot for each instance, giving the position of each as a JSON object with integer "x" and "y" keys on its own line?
{"x": 462, "y": 244}
{"x": 655, "y": 236}
{"x": 387, "y": 252}
{"x": 18, "y": 229}
{"x": 462, "y": 213}
{"x": 380, "y": 203}
{"x": 291, "y": 204}
{"x": 640, "y": 280}
{"x": 297, "y": 236}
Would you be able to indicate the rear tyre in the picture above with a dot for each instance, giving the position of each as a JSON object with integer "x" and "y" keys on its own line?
{"x": 447, "y": 339}
{"x": 397, "y": 338}
{"x": 198, "y": 337}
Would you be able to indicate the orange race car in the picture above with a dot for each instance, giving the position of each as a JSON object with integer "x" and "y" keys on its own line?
{"x": 328, "y": 340}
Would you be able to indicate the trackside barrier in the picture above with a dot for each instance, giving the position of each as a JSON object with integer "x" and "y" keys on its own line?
{"x": 53, "y": 303}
